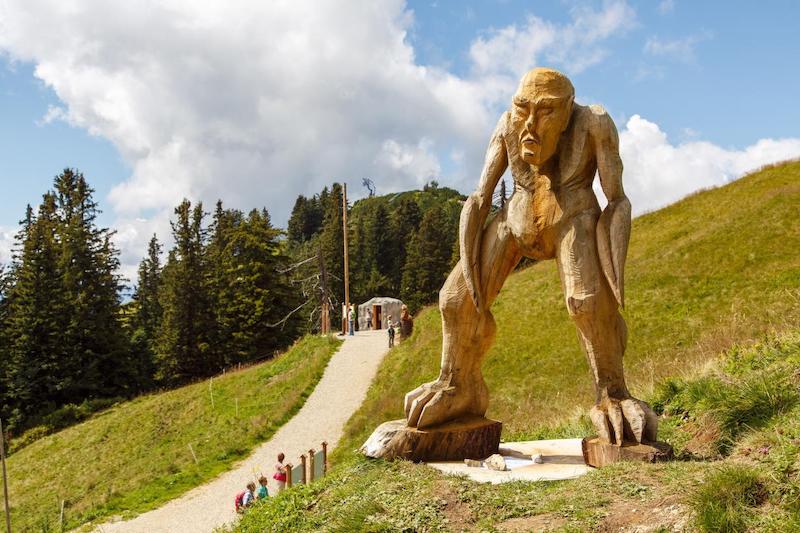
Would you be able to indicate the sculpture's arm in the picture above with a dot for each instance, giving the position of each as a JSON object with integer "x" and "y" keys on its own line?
{"x": 614, "y": 225}
{"x": 476, "y": 210}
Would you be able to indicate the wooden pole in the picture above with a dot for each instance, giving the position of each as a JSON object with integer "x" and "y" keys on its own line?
{"x": 5, "y": 479}
{"x": 325, "y": 324}
{"x": 305, "y": 466}
{"x": 325, "y": 458}
{"x": 288, "y": 475}
{"x": 346, "y": 257}
{"x": 311, "y": 463}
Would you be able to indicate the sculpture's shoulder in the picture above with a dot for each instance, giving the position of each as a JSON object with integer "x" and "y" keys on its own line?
{"x": 599, "y": 123}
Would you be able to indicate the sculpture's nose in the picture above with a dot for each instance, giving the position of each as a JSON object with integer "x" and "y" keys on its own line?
{"x": 530, "y": 123}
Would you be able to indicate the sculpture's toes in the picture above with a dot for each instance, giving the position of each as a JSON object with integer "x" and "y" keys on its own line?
{"x": 416, "y": 406}
{"x": 411, "y": 397}
{"x": 439, "y": 408}
{"x": 614, "y": 419}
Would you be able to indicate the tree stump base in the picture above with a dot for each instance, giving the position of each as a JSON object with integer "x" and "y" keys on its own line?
{"x": 599, "y": 454}
{"x": 464, "y": 438}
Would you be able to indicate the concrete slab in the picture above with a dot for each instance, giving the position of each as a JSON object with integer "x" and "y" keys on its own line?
{"x": 561, "y": 459}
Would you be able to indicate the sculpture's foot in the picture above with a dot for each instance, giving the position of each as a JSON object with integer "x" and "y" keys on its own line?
{"x": 621, "y": 420}
{"x": 438, "y": 402}
{"x": 470, "y": 437}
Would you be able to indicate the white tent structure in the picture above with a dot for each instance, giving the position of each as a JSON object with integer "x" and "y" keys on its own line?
{"x": 373, "y": 313}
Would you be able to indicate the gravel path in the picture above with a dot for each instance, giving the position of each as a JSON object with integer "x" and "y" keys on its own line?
{"x": 339, "y": 393}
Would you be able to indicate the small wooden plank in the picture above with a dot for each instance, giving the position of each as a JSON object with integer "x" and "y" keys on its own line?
{"x": 599, "y": 454}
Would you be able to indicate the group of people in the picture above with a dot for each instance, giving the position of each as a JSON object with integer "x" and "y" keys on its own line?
{"x": 251, "y": 494}
{"x": 391, "y": 326}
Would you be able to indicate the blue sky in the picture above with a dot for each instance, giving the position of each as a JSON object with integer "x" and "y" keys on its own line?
{"x": 257, "y": 103}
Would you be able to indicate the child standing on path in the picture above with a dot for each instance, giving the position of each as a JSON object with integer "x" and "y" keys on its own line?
{"x": 390, "y": 330}
{"x": 262, "y": 492}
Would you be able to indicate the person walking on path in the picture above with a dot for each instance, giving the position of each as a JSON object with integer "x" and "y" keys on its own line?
{"x": 351, "y": 319}
{"x": 280, "y": 473}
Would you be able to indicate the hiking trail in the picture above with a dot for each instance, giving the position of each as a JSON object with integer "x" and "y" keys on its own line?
{"x": 340, "y": 391}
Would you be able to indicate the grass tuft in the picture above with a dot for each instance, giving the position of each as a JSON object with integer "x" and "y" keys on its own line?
{"x": 725, "y": 501}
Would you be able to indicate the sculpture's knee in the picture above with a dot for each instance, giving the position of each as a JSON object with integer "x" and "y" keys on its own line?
{"x": 451, "y": 300}
{"x": 582, "y": 308}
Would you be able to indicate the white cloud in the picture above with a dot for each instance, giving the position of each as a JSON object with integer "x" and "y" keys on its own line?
{"x": 666, "y": 6}
{"x": 658, "y": 172}
{"x": 255, "y": 102}
{"x": 415, "y": 162}
{"x": 574, "y": 46}
{"x": 6, "y": 244}
{"x": 682, "y": 49}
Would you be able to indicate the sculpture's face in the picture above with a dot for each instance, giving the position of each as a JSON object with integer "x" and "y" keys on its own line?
{"x": 542, "y": 107}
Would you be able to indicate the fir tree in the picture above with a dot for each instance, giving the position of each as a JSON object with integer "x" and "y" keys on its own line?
{"x": 332, "y": 242}
{"x": 428, "y": 259}
{"x": 97, "y": 355}
{"x": 183, "y": 350}
{"x": 37, "y": 377}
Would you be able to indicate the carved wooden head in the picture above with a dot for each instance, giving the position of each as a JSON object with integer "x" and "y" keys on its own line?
{"x": 541, "y": 109}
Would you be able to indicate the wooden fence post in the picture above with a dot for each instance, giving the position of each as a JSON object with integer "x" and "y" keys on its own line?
{"x": 288, "y": 475}
{"x": 305, "y": 475}
{"x": 325, "y": 458}
{"x": 311, "y": 463}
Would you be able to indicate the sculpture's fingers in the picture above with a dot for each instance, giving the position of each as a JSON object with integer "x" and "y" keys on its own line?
{"x": 598, "y": 418}
{"x": 615, "y": 417}
{"x": 416, "y": 408}
{"x": 635, "y": 415}
{"x": 651, "y": 423}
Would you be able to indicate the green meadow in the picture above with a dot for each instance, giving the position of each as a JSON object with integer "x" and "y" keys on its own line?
{"x": 139, "y": 454}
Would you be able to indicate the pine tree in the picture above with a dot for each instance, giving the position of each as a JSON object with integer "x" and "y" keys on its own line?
{"x": 256, "y": 296}
{"x": 403, "y": 225}
{"x": 97, "y": 355}
{"x": 428, "y": 260}
{"x": 36, "y": 373}
{"x": 332, "y": 242}
{"x": 183, "y": 347}
{"x": 148, "y": 312}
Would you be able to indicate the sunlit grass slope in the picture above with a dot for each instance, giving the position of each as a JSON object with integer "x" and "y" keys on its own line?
{"x": 734, "y": 425}
{"x": 136, "y": 455}
{"x": 716, "y": 268}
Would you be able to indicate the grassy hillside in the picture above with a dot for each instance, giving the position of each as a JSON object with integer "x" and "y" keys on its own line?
{"x": 736, "y": 431}
{"x": 706, "y": 277}
{"x": 712, "y": 270}
{"x": 136, "y": 455}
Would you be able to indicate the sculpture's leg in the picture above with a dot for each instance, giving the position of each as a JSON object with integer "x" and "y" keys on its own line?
{"x": 466, "y": 336}
{"x": 602, "y": 332}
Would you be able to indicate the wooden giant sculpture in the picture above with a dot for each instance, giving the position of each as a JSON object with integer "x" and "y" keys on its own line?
{"x": 553, "y": 147}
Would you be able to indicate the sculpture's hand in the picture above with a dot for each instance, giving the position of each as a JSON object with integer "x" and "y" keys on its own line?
{"x": 614, "y": 226}
{"x": 613, "y": 234}
{"x": 476, "y": 210}
{"x": 614, "y": 418}
{"x": 470, "y": 233}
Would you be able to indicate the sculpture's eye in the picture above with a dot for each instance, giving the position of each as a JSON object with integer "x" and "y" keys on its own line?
{"x": 544, "y": 111}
